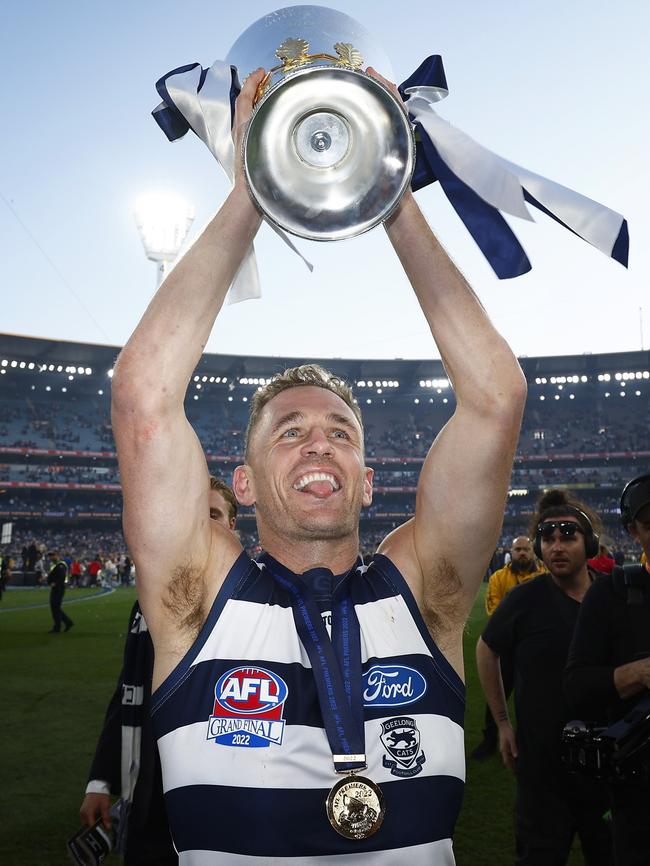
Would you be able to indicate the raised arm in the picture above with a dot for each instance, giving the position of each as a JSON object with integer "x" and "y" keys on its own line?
{"x": 163, "y": 470}
{"x": 444, "y": 550}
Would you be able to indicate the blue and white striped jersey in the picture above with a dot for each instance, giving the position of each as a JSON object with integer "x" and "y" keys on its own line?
{"x": 247, "y": 765}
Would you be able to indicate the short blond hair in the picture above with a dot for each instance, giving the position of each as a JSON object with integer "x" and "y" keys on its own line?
{"x": 306, "y": 375}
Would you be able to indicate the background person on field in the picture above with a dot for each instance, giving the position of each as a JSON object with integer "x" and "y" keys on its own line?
{"x": 533, "y": 627}
{"x": 127, "y": 739}
{"x": 56, "y": 579}
{"x": 522, "y": 566}
{"x": 608, "y": 672}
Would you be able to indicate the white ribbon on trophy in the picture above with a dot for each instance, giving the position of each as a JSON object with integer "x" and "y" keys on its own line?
{"x": 501, "y": 183}
{"x": 478, "y": 183}
{"x": 207, "y": 110}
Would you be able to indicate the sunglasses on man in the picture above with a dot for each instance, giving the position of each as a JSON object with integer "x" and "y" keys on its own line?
{"x": 568, "y": 529}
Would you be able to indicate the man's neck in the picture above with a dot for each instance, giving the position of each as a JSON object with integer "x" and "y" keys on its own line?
{"x": 576, "y": 585}
{"x": 337, "y": 555}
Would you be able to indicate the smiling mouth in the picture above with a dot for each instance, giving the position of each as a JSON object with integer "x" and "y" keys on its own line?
{"x": 320, "y": 484}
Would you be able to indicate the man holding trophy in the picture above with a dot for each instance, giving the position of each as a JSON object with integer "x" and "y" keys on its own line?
{"x": 308, "y": 704}
{"x": 281, "y": 739}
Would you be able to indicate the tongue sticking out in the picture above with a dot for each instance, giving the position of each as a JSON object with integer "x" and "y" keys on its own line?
{"x": 320, "y": 489}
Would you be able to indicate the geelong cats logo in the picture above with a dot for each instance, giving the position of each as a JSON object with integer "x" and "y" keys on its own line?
{"x": 401, "y": 739}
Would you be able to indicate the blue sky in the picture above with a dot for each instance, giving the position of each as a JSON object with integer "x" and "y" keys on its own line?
{"x": 558, "y": 87}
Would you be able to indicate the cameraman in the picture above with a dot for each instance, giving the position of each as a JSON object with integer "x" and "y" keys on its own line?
{"x": 532, "y": 629}
{"x": 608, "y": 668}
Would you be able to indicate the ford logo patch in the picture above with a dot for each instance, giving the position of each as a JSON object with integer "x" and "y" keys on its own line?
{"x": 392, "y": 686}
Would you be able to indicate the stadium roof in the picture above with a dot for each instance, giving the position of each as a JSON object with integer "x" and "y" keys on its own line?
{"x": 40, "y": 350}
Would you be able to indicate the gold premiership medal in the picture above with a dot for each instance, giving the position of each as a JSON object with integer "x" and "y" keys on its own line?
{"x": 355, "y": 807}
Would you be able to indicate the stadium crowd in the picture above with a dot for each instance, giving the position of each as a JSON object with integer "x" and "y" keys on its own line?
{"x": 400, "y": 429}
{"x": 84, "y": 424}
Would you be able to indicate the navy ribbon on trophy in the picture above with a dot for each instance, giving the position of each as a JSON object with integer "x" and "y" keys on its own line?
{"x": 479, "y": 184}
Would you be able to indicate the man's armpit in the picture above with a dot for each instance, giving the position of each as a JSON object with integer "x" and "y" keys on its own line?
{"x": 185, "y": 597}
{"x": 443, "y": 607}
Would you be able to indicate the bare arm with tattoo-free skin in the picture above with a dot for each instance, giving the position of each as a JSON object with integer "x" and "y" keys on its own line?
{"x": 181, "y": 555}
{"x": 444, "y": 550}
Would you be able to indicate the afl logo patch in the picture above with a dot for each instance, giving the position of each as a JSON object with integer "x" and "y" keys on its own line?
{"x": 248, "y": 705}
{"x": 392, "y": 686}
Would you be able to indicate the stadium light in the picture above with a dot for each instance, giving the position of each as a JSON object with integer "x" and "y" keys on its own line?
{"x": 163, "y": 222}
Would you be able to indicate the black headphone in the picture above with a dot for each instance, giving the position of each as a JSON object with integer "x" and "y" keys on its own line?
{"x": 592, "y": 539}
{"x": 626, "y": 514}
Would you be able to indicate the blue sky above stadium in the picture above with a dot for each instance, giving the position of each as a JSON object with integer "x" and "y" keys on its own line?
{"x": 557, "y": 87}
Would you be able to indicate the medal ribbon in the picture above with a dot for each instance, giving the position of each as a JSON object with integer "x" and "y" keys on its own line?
{"x": 336, "y": 665}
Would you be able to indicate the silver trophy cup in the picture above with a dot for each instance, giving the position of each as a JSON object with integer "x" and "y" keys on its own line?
{"x": 329, "y": 150}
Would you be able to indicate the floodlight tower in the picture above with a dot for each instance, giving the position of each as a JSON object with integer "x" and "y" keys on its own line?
{"x": 163, "y": 222}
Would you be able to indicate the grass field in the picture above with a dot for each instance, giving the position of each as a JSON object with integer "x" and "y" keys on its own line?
{"x": 54, "y": 693}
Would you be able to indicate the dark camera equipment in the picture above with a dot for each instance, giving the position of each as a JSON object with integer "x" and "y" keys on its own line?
{"x": 618, "y": 753}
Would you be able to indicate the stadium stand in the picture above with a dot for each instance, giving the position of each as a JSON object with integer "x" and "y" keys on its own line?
{"x": 585, "y": 427}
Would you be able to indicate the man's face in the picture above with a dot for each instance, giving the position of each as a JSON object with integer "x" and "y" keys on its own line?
{"x": 306, "y": 473}
{"x": 522, "y": 554}
{"x": 564, "y": 555}
{"x": 219, "y": 510}
{"x": 640, "y": 529}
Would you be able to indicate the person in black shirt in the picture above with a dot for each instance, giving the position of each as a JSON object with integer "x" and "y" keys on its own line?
{"x": 532, "y": 628}
{"x": 608, "y": 669}
{"x": 127, "y": 739}
{"x": 56, "y": 579}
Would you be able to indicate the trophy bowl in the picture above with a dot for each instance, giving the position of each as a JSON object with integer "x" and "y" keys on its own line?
{"x": 329, "y": 150}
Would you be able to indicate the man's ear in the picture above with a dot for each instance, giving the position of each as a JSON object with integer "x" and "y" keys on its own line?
{"x": 367, "y": 486}
{"x": 242, "y": 485}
